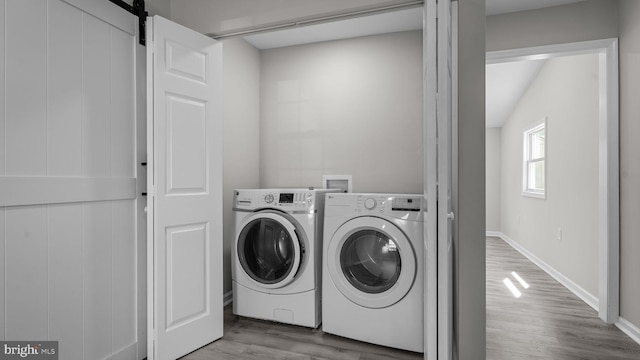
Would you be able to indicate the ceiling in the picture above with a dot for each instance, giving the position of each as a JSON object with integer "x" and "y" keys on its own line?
{"x": 403, "y": 20}
{"x": 505, "y": 82}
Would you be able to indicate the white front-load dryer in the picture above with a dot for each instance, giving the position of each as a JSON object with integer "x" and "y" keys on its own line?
{"x": 373, "y": 269}
{"x": 276, "y": 254}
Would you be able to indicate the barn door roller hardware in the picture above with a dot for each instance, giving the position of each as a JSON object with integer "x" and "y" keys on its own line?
{"x": 138, "y": 10}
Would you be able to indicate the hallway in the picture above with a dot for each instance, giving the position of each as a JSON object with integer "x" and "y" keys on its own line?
{"x": 547, "y": 321}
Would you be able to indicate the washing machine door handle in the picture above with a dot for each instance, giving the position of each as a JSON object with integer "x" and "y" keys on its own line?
{"x": 269, "y": 250}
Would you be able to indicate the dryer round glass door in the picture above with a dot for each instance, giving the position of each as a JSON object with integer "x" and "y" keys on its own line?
{"x": 371, "y": 262}
{"x": 268, "y": 249}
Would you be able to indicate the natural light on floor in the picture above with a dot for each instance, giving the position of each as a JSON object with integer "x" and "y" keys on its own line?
{"x": 512, "y": 287}
{"x": 520, "y": 280}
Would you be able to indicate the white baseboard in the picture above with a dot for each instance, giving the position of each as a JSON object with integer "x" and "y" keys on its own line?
{"x": 583, "y": 294}
{"x": 227, "y": 298}
{"x": 629, "y": 329}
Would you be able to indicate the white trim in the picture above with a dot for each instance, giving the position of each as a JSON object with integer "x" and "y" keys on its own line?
{"x": 628, "y": 328}
{"x": 40, "y": 190}
{"x": 608, "y": 163}
{"x": 227, "y": 298}
{"x": 151, "y": 306}
{"x": 549, "y": 51}
{"x": 609, "y": 185}
{"x": 580, "y": 292}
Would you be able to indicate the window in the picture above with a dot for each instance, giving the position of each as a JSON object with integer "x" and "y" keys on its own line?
{"x": 534, "y": 164}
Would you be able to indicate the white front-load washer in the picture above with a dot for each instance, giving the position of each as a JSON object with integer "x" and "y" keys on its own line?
{"x": 372, "y": 269}
{"x": 276, "y": 254}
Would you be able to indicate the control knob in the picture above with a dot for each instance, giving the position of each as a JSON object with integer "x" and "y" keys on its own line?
{"x": 268, "y": 198}
{"x": 370, "y": 204}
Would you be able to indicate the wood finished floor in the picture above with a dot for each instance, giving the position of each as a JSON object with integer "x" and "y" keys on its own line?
{"x": 246, "y": 338}
{"x": 546, "y": 322}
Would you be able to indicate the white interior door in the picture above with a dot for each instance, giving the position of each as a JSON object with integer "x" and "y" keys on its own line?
{"x": 430, "y": 140}
{"x": 439, "y": 49}
{"x": 447, "y": 163}
{"x": 184, "y": 189}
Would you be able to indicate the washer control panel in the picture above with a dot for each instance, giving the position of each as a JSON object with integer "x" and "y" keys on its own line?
{"x": 288, "y": 198}
{"x": 284, "y": 199}
{"x": 269, "y": 198}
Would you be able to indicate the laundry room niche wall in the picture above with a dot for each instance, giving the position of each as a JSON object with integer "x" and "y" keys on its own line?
{"x": 351, "y": 106}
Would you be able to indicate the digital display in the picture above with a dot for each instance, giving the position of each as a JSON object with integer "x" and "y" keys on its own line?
{"x": 405, "y": 204}
{"x": 286, "y": 198}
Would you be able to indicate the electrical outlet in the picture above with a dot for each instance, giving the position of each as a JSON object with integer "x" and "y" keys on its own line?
{"x": 559, "y": 235}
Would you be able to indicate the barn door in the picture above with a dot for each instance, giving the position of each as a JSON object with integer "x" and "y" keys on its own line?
{"x": 184, "y": 70}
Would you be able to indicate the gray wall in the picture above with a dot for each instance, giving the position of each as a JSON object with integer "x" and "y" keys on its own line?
{"x": 493, "y": 154}
{"x": 158, "y": 7}
{"x": 566, "y": 92}
{"x": 629, "y": 164}
{"x": 241, "y": 131}
{"x": 581, "y": 21}
{"x": 350, "y": 107}
{"x": 469, "y": 225}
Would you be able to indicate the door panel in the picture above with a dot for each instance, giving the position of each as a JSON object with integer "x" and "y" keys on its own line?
{"x": 185, "y": 62}
{"x": 187, "y": 273}
{"x": 26, "y": 96}
{"x": 185, "y": 189}
{"x": 64, "y": 72}
{"x": 187, "y": 146}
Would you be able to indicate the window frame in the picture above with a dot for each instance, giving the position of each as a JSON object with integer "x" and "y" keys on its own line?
{"x": 527, "y": 160}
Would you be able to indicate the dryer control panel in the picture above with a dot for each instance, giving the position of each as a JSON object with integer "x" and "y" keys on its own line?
{"x": 401, "y": 206}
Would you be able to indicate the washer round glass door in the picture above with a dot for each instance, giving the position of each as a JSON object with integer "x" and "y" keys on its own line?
{"x": 371, "y": 262}
{"x": 268, "y": 249}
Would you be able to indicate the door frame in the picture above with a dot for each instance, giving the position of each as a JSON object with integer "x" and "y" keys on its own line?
{"x": 440, "y": 129}
{"x": 608, "y": 302}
